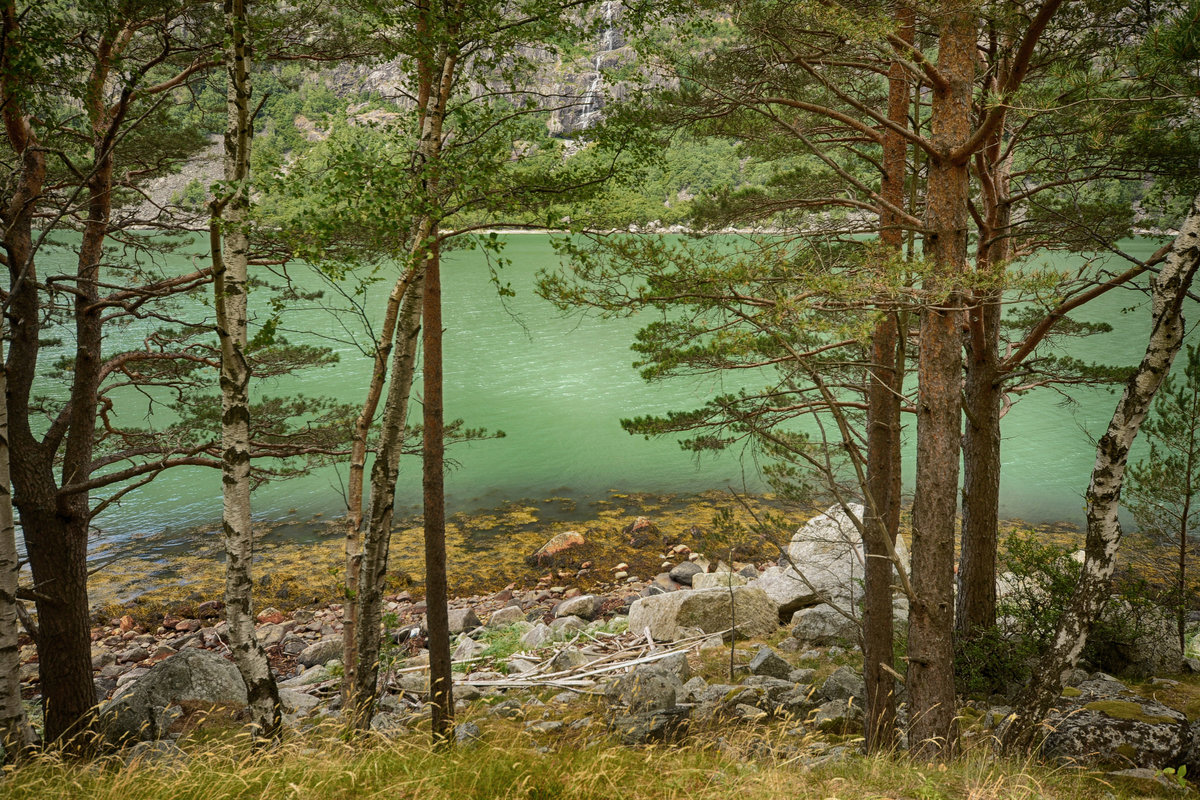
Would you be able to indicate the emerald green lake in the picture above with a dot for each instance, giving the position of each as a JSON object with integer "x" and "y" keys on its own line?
{"x": 558, "y": 386}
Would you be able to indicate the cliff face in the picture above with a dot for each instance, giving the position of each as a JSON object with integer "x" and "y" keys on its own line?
{"x": 573, "y": 90}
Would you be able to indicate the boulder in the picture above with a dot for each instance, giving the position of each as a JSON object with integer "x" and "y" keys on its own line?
{"x": 709, "y": 610}
{"x": 823, "y": 625}
{"x": 829, "y": 551}
{"x": 844, "y": 684}
{"x": 767, "y": 662}
{"x": 196, "y": 677}
{"x": 667, "y": 725}
{"x": 1141, "y": 641}
{"x": 320, "y": 653}
{"x": 647, "y": 688}
{"x": 839, "y": 716}
{"x": 717, "y": 580}
{"x": 1104, "y": 724}
{"x": 506, "y": 616}
{"x": 536, "y": 636}
{"x": 585, "y": 606}
{"x": 683, "y": 573}
{"x": 560, "y": 551}
{"x": 463, "y": 619}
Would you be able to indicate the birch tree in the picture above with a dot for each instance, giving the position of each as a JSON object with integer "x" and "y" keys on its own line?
{"x": 231, "y": 256}
{"x": 1171, "y": 288}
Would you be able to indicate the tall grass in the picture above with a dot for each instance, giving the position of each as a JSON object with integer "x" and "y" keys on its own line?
{"x": 510, "y": 762}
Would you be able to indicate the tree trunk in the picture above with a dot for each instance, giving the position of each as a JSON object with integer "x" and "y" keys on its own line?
{"x": 15, "y": 734}
{"x": 932, "y": 712}
{"x": 230, "y": 276}
{"x": 441, "y": 686}
{"x": 384, "y": 474}
{"x": 883, "y": 438}
{"x": 1170, "y": 290}
{"x": 354, "y": 488}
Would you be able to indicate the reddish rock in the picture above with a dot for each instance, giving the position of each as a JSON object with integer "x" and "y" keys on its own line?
{"x": 189, "y": 625}
{"x": 125, "y": 623}
{"x": 271, "y": 616}
{"x": 210, "y": 608}
{"x": 562, "y": 550}
{"x": 642, "y": 532}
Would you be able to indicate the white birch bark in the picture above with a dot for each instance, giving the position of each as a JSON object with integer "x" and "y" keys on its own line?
{"x": 1170, "y": 289}
{"x": 15, "y": 733}
{"x": 230, "y": 272}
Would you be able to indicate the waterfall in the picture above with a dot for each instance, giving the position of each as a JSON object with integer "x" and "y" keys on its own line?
{"x": 592, "y": 101}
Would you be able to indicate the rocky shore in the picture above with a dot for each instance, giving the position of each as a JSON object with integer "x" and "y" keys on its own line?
{"x": 636, "y": 658}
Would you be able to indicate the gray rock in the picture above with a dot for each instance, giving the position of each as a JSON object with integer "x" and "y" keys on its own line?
{"x": 537, "y": 636}
{"x": 1107, "y": 727}
{"x": 823, "y": 625}
{"x": 133, "y": 655}
{"x": 768, "y": 662}
{"x": 708, "y": 610}
{"x": 647, "y": 689}
{"x": 799, "y": 702}
{"x": 844, "y": 684}
{"x": 310, "y": 676}
{"x": 467, "y": 733}
{"x": 467, "y": 649}
{"x": 802, "y": 675}
{"x": 293, "y": 645}
{"x": 829, "y": 550}
{"x": 692, "y": 689}
{"x": 667, "y": 725}
{"x": 192, "y": 676}
{"x": 293, "y": 702}
{"x": 585, "y": 606}
{"x": 321, "y": 653}
{"x": 839, "y": 716}
{"x": 776, "y": 688}
{"x": 683, "y": 573}
{"x": 271, "y": 634}
{"x": 677, "y": 664}
{"x": 717, "y": 580}
{"x": 506, "y": 616}
{"x": 519, "y": 666}
{"x": 565, "y": 627}
{"x": 569, "y": 658}
{"x": 463, "y": 619}
{"x": 388, "y": 722}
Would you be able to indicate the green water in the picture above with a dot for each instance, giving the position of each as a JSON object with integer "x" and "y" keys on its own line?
{"x": 558, "y": 387}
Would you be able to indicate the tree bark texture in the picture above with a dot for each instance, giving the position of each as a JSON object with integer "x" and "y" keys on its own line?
{"x": 15, "y": 734}
{"x": 1170, "y": 290}
{"x": 231, "y": 255}
{"x": 983, "y": 391}
{"x": 384, "y": 473}
{"x": 883, "y": 436}
{"x": 930, "y": 681}
{"x": 354, "y": 488}
{"x": 441, "y": 686}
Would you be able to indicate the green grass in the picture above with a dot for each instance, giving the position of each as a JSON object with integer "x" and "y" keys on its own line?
{"x": 750, "y": 764}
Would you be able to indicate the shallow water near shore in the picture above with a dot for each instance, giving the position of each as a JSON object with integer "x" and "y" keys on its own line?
{"x": 558, "y": 387}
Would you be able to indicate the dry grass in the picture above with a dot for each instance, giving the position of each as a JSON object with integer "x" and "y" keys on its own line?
{"x": 766, "y": 763}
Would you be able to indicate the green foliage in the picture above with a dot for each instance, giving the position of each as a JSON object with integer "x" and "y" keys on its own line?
{"x": 1162, "y": 490}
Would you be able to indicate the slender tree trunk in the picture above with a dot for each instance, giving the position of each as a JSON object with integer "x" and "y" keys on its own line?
{"x": 230, "y": 272}
{"x": 384, "y": 474}
{"x": 883, "y": 438}
{"x": 1170, "y": 290}
{"x": 932, "y": 712}
{"x": 983, "y": 395}
{"x": 436, "y": 593}
{"x": 354, "y": 493}
{"x": 15, "y": 734}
